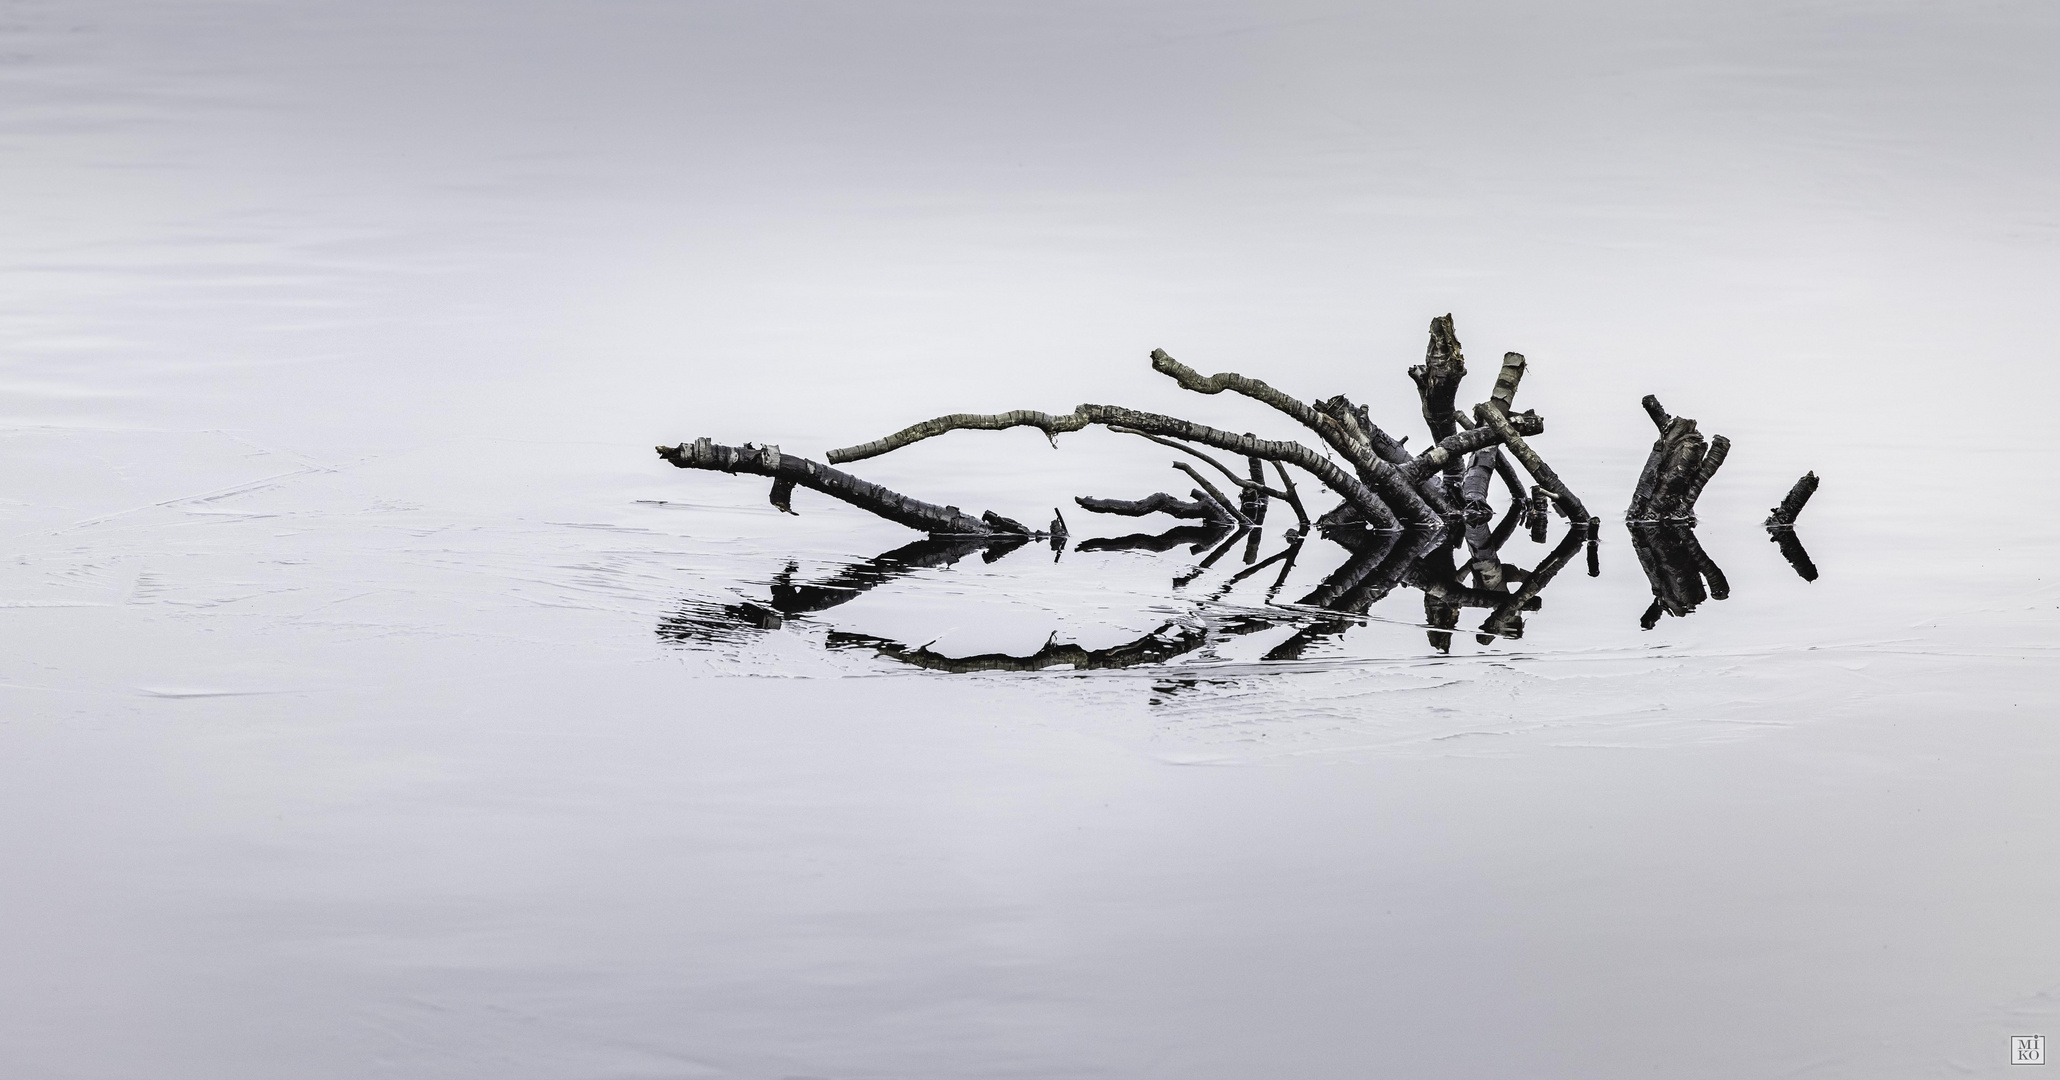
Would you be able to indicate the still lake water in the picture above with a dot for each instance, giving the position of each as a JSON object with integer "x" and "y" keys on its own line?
{"x": 360, "y": 713}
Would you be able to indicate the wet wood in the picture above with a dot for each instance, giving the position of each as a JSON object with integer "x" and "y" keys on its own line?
{"x": 1156, "y": 503}
{"x": 1437, "y": 381}
{"x": 1362, "y": 497}
{"x": 797, "y": 471}
{"x": 1562, "y": 497}
{"x": 1340, "y": 435}
{"x": 1792, "y": 504}
{"x": 1503, "y": 397}
{"x": 1676, "y": 470}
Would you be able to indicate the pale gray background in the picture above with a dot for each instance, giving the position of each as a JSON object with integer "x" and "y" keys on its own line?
{"x": 337, "y": 741}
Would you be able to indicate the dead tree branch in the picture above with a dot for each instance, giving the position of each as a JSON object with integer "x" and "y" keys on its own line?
{"x": 1678, "y": 468}
{"x": 1376, "y": 473}
{"x": 1355, "y": 492}
{"x": 1230, "y": 506}
{"x": 1569, "y": 506}
{"x": 1155, "y": 503}
{"x": 769, "y": 461}
{"x": 1437, "y": 380}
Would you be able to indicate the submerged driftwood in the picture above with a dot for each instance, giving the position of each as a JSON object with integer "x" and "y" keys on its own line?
{"x": 1784, "y": 515}
{"x": 1421, "y": 519}
{"x": 1680, "y": 465}
{"x": 1781, "y": 526}
{"x": 1381, "y": 484}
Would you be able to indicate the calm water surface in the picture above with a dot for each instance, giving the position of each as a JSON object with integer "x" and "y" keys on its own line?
{"x": 376, "y": 703}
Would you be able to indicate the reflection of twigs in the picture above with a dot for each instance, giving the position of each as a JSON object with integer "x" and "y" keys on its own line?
{"x": 1210, "y": 561}
{"x": 1198, "y": 535}
{"x": 1293, "y": 550}
{"x": 1287, "y": 553}
{"x": 1792, "y": 550}
{"x": 1506, "y": 621}
{"x": 1677, "y": 567}
{"x": 1168, "y": 641}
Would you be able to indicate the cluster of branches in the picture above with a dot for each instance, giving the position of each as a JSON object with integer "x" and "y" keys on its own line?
{"x": 1418, "y": 518}
{"x": 1383, "y": 486}
{"x": 1680, "y": 465}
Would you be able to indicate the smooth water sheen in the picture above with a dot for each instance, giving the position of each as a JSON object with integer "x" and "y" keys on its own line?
{"x": 369, "y": 707}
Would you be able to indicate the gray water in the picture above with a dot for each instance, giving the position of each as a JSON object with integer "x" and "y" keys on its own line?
{"x": 344, "y": 735}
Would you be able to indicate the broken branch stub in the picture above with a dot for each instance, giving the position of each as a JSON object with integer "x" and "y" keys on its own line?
{"x": 1437, "y": 380}
{"x": 1503, "y": 397}
{"x": 1792, "y": 504}
{"x": 1678, "y": 468}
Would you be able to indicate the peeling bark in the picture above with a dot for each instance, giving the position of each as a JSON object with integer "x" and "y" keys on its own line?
{"x": 1503, "y": 397}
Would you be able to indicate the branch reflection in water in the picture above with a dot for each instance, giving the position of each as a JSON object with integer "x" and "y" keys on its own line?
{"x": 1379, "y": 563}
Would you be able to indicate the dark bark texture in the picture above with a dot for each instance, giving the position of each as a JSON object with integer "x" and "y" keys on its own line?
{"x": 769, "y": 461}
{"x": 1678, "y": 468}
{"x": 1792, "y": 504}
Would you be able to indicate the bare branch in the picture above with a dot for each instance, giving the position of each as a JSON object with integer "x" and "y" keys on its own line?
{"x": 1355, "y": 447}
{"x": 769, "y": 461}
{"x": 1493, "y": 420}
{"x": 1229, "y": 505}
{"x": 1155, "y": 503}
{"x": 1292, "y": 497}
{"x": 1045, "y": 422}
{"x": 1792, "y": 503}
{"x": 1361, "y": 497}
